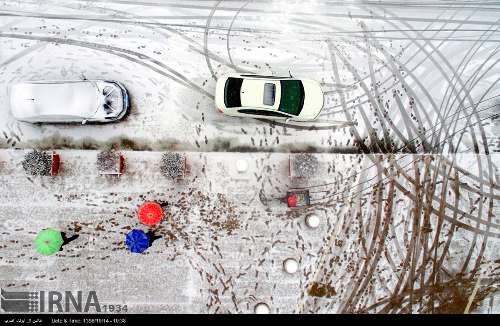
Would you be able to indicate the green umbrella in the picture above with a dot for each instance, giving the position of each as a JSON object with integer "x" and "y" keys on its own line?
{"x": 48, "y": 241}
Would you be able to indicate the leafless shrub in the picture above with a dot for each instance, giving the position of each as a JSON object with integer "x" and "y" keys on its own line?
{"x": 108, "y": 161}
{"x": 305, "y": 165}
{"x": 172, "y": 165}
{"x": 37, "y": 163}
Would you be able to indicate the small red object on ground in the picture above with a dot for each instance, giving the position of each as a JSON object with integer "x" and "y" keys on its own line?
{"x": 56, "y": 161}
{"x": 292, "y": 201}
{"x": 298, "y": 198}
{"x": 150, "y": 213}
{"x": 122, "y": 164}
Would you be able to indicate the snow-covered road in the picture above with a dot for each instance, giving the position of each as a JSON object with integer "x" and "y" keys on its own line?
{"x": 417, "y": 77}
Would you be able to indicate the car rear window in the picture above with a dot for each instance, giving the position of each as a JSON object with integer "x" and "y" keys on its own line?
{"x": 232, "y": 92}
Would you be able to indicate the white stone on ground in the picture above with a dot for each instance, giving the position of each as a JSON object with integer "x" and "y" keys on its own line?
{"x": 291, "y": 265}
{"x": 312, "y": 221}
{"x": 261, "y": 308}
{"x": 241, "y": 165}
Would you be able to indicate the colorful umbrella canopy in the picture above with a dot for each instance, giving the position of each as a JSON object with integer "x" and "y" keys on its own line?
{"x": 150, "y": 213}
{"x": 48, "y": 241}
{"x": 137, "y": 241}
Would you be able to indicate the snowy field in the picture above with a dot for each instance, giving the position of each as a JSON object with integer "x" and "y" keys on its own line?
{"x": 407, "y": 189}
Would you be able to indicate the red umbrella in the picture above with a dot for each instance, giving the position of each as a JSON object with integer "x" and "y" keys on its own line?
{"x": 150, "y": 213}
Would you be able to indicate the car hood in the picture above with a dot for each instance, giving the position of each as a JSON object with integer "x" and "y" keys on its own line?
{"x": 313, "y": 99}
{"x": 77, "y": 99}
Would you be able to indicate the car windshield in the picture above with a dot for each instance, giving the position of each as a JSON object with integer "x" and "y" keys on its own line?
{"x": 112, "y": 101}
{"x": 292, "y": 96}
{"x": 232, "y": 92}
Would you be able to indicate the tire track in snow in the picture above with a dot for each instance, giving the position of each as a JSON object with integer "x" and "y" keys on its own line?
{"x": 205, "y": 39}
{"x": 229, "y": 34}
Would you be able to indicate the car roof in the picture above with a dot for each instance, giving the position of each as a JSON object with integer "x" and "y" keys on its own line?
{"x": 37, "y": 99}
{"x": 254, "y": 93}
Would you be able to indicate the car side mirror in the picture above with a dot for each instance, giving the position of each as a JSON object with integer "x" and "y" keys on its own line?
{"x": 288, "y": 120}
{"x": 84, "y": 122}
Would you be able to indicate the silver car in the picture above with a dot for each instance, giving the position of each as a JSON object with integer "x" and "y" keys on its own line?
{"x": 69, "y": 101}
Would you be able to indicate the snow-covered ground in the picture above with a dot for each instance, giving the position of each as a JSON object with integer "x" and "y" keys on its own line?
{"x": 392, "y": 229}
{"x": 415, "y": 77}
{"x": 406, "y": 225}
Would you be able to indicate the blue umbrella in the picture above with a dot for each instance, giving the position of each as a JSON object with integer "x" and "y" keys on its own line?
{"x": 137, "y": 241}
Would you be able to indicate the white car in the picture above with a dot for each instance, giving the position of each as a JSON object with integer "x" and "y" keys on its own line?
{"x": 69, "y": 101}
{"x": 268, "y": 97}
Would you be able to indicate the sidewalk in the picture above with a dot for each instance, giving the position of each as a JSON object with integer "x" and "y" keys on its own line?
{"x": 227, "y": 233}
